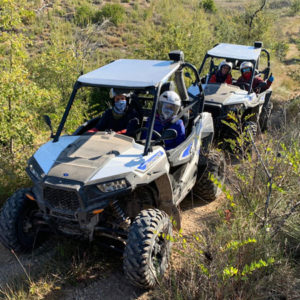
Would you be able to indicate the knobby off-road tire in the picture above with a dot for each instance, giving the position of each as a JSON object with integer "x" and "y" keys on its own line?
{"x": 16, "y": 229}
{"x": 204, "y": 187}
{"x": 250, "y": 127}
{"x": 148, "y": 248}
{"x": 264, "y": 119}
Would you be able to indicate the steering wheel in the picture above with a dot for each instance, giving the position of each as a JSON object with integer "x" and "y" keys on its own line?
{"x": 243, "y": 85}
{"x": 157, "y": 134}
{"x": 146, "y": 129}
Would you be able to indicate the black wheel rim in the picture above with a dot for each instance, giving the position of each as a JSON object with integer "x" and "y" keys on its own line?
{"x": 159, "y": 254}
{"x": 27, "y": 231}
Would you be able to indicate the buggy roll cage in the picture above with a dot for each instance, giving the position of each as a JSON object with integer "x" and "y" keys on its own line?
{"x": 255, "y": 63}
{"x": 179, "y": 81}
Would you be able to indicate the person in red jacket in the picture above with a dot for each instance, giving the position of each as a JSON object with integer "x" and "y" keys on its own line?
{"x": 223, "y": 74}
{"x": 259, "y": 85}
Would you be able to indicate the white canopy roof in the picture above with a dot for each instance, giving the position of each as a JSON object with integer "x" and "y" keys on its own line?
{"x": 131, "y": 73}
{"x": 239, "y": 52}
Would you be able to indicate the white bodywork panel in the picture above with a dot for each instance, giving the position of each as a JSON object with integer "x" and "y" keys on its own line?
{"x": 131, "y": 73}
{"x": 240, "y": 52}
{"x": 206, "y": 125}
{"x": 227, "y": 95}
{"x": 47, "y": 154}
{"x": 130, "y": 161}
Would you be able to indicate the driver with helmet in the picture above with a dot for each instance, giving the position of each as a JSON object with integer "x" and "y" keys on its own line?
{"x": 259, "y": 85}
{"x": 223, "y": 74}
{"x": 120, "y": 118}
{"x": 169, "y": 104}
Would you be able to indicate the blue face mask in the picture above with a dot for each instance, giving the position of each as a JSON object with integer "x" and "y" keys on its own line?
{"x": 120, "y": 106}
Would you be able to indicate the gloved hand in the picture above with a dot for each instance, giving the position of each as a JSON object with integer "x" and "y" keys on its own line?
{"x": 132, "y": 127}
{"x": 271, "y": 78}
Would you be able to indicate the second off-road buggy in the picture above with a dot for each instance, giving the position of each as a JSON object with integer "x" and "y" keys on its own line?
{"x": 110, "y": 185}
{"x": 254, "y": 107}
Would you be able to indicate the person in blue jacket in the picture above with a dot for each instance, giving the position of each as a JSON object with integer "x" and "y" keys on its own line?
{"x": 120, "y": 118}
{"x": 169, "y": 104}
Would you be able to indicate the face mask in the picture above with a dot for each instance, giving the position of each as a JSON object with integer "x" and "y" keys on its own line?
{"x": 120, "y": 106}
{"x": 247, "y": 75}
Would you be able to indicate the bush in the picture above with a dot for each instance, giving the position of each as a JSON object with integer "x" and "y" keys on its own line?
{"x": 170, "y": 27}
{"x": 279, "y": 4}
{"x": 83, "y": 15}
{"x": 248, "y": 249}
{"x": 295, "y": 7}
{"x": 281, "y": 49}
{"x": 114, "y": 12}
{"x": 208, "y": 5}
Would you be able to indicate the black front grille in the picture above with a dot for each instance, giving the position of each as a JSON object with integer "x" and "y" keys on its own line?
{"x": 62, "y": 199}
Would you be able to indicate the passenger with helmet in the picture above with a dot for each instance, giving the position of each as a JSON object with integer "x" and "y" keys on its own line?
{"x": 120, "y": 118}
{"x": 223, "y": 74}
{"x": 259, "y": 85}
{"x": 169, "y": 104}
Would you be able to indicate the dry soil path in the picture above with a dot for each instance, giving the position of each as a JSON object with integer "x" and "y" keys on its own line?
{"x": 113, "y": 285}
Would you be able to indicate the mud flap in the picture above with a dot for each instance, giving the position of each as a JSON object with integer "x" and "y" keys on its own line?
{"x": 166, "y": 202}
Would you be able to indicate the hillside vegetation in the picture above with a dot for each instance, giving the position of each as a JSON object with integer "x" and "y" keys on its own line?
{"x": 251, "y": 250}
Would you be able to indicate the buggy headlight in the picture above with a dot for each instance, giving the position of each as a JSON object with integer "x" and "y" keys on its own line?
{"x": 34, "y": 169}
{"x": 112, "y": 186}
{"x": 34, "y": 172}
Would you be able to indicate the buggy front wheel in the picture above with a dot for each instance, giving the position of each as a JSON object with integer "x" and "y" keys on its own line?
{"x": 148, "y": 248}
{"x": 19, "y": 229}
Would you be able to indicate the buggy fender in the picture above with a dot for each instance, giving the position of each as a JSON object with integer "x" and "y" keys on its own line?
{"x": 206, "y": 126}
{"x": 166, "y": 201}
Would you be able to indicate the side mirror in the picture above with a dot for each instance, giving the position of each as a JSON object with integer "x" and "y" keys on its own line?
{"x": 169, "y": 134}
{"x": 176, "y": 55}
{"x": 258, "y": 44}
{"x": 48, "y": 122}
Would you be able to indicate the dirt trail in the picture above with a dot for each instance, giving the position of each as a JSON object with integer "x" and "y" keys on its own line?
{"x": 116, "y": 287}
{"x": 8, "y": 266}
{"x": 113, "y": 285}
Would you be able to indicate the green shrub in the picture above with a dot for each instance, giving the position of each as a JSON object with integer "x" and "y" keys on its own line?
{"x": 114, "y": 12}
{"x": 208, "y": 5}
{"x": 295, "y": 7}
{"x": 28, "y": 17}
{"x": 280, "y": 49}
{"x": 83, "y": 15}
{"x": 169, "y": 27}
{"x": 247, "y": 249}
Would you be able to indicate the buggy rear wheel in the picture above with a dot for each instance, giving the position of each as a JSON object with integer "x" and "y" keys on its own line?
{"x": 148, "y": 248}
{"x": 204, "y": 187}
{"x": 18, "y": 229}
{"x": 264, "y": 120}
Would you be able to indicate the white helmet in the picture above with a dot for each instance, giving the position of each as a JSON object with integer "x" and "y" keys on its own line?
{"x": 169, "y": 104}
{"x": 113, "y": 93}
{"x": 246, "y": 64}
{"x": 225, "y": 63}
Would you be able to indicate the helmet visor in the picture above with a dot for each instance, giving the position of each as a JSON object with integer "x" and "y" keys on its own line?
{"x": 245, "y": 70}
{"x": 168, "y": 110}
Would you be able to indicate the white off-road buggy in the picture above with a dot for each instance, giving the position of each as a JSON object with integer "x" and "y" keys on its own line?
{"x": 254, "y": 107}
{"x": 111, "y": 185}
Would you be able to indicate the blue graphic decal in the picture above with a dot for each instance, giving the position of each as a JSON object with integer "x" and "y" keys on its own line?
{"x": 187, "y": 150}
{"x": 66, "y": 174}
{"x": 143, "y": 166}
